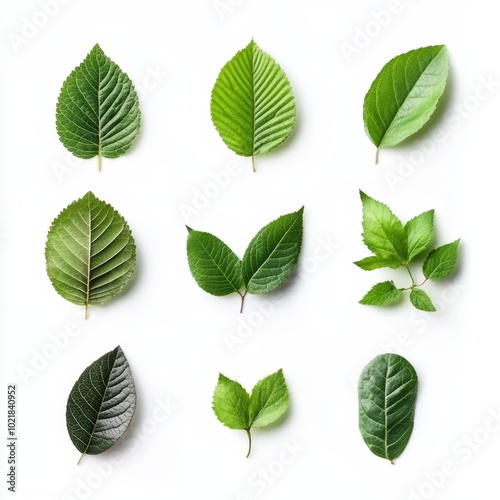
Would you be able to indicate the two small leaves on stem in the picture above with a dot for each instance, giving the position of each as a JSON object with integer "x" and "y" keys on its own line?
{"x": 387, "y": 394}
{"x": 396, "y": 245}
{"x": 268, "y": 260}
{"x": 101, "y": 404}
{"x": 237, "y": 409}
{"x": 404, "y": 95}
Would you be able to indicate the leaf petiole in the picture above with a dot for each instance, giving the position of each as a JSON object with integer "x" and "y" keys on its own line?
{"x": 242, "y": 295}
{"x": 249, "y": 442}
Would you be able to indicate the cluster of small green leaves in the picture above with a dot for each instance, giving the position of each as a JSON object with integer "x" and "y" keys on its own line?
{"x": 268, "y": 260}
{"x": 396, "y": 245}
{"x": 237, "y": 409}
{"x": 404, "y": 95}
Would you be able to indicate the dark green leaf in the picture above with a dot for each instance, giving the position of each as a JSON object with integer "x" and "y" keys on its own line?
{"x": 98, "y": 109}
{"x": 273, "y": 253}
{"x": 381, "y": 294}
{"x": 252, "y": 104}
{"x": 421, "y": 300}
{"x": 387, "y": 393}
{"x": 441, "y": 261}
{"x": 90, "y": 252}
{"x": 101, "y": 404}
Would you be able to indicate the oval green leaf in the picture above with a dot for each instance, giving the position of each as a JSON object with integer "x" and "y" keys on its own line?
{"x": 214, "y": 266}
{"x": 273, "y": 253}
{"x": 421, "y": 300}
{"x": 252, "y": 105}
{"x": 230, "y": 403}
{"x": 441, "y": 262}
{"x": 101, "y": 404}
{"x": 381, "y": 294}
{"x": 98, "y": 111}
{"x": 404, "y": 95}
{"x": 90, "y": 252}
{"x": 387, "y": 393}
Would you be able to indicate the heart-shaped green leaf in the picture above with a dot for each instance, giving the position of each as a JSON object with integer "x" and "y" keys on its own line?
{"x": 90, "y": 252}
{"x": 98, "y": 109}
{"x": 252, "y": 104}
{"x": 387, "y": 392}
{"x": 101, "y": 404}
{"x": 273, "y": 253}
{"x": 404, "y": 95}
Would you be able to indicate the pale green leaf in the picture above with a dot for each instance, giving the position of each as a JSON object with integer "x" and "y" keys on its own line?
{"x": 419, "y": 232}
{"x": 230, "y": 403}
{"x": 441, "y": 261}
{"x": 383, "y": 232}
{"x": 374, "y": 262}
{"x": 98, "y": 111}
{"x": 387, "y": 393}
{"x": 404, "y": 95}
{"x": 90, "y": 252}
{"x": 252, "y": 104}
{"x": 214, "y": 266}
{"x": 381, "y": 294}
{"x": 273, "y": 253}
{"x": 421, "y": 300}
{"x": 101, "y": 404}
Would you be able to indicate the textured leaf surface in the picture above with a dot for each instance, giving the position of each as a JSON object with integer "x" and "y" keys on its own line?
{"x": 236, "y": 409}
{"x": 373, "y": 262}
{"x": 214, "y": 266}
{"x": 381, "y": 294}
{"x": 383, "y": 232}
{"x": 269, "y": 400}
{"x": 97, "y": 111}
{"x": 404, "y": 95}
{"x": 421, "y": 300}
{"x": 419, "y": 232}
{"x": 252, "y": 104}
{"x": 273, "y": 253}
{"x": 101, "y": 403}
{"x": 90, "y": 252}
{"x": 387, "y": 393}
{"x": 441, "y": 261}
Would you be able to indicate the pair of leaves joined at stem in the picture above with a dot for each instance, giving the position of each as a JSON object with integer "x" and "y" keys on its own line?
{"x": 98, "y": 111}
{"x": 237, "y": 409}
{"x": 404, "y": 95}
{"x": 268, "y": 260}
{"x": 101, "y": 404}
{"x": 387, "y": 394}
{"x": 395, "y": 245}
{"x": 90, "y": 253}
{"x": 252, "y": 105}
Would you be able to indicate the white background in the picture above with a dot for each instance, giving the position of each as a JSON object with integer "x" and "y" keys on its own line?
{"x": 174, "y": 335}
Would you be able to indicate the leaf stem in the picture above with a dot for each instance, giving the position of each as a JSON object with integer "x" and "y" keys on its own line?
{"x": 376, "y": 156}
{"x": 86, "y": 310}
{"x": 253, "y": 163}
{"x": 249, "y": 442}
{"x": 411, "y": 276}
{"x": 99, "y": 162}
{"x": 78, "y": 463}
{"x": 242, "y": 295}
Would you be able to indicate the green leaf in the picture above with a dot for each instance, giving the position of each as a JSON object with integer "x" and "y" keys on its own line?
{"x": 252, "y": 104}
{"x": 101, "y": 404}
{"x": 214, "y": 266}
{"x": 374, "y": 262}
{"x": 269, "y": 400}
{"x": 421, "y": 300}
{"x": 387, "y": 393}
{"x": 404, "y": 95}
{"x": 90, "y": 252}
{"x": 441, "y": 261}
{"x": 419, "y": 232}
{"x": 381, "y": 294}
{"x": 273, "y": 253}
{"x": 383, "y": 232}
{"x": 236, "y": 409}
{"x": 97, "y": 111}
{"x": 230, "y": 403}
